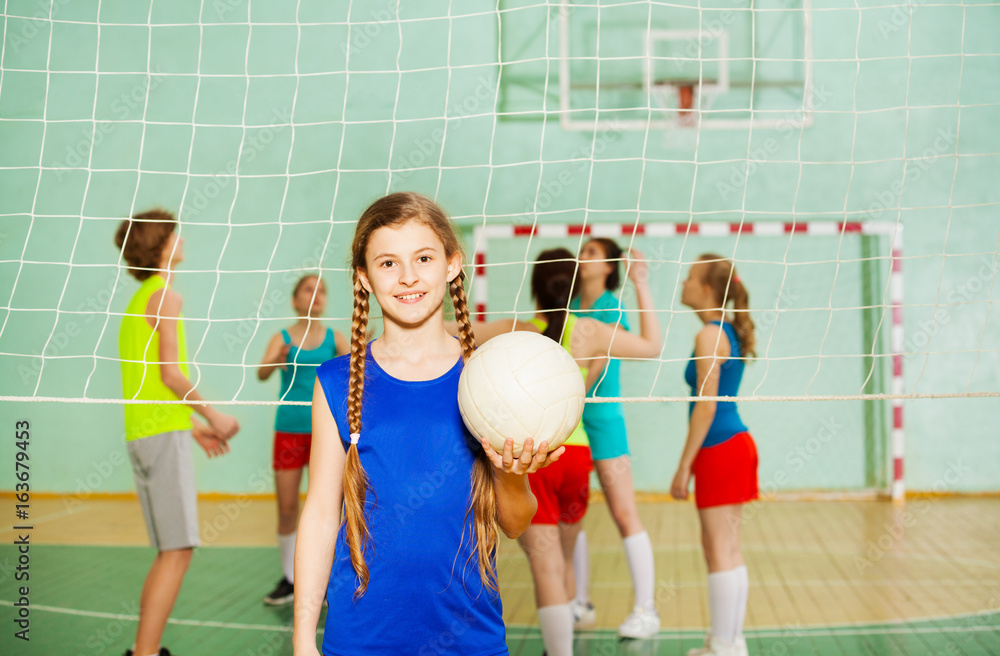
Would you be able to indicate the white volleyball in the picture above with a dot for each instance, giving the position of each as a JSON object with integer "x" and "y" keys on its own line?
{"x": 521, "y": 385}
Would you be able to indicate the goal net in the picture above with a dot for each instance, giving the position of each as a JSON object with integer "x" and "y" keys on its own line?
{"x": 795, "y": 139}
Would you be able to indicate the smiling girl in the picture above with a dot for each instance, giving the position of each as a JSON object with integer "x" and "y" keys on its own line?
{"x": 410, "y": 565}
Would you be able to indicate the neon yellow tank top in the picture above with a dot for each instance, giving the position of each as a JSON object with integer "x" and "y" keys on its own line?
{"x": 139, "y": 349}
{"x": 579, "y": 436}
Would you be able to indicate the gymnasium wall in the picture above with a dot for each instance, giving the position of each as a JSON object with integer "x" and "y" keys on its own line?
{"x": 140, "y": 106}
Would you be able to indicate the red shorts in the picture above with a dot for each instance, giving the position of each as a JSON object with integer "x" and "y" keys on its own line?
{"x": 291, "y": 450}
{"x": 563, "y": 488}
{"x": 726, "y": 474}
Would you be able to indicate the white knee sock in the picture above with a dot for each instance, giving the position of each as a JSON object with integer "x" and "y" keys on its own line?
{"x": 639, "y": 553}
{"x": 581, "y": 569}
{"x": 557, "y": 629}
{"x": 723, "y": 595}
{"x": 743, "y": 579}
{"x": 287, "y": 544}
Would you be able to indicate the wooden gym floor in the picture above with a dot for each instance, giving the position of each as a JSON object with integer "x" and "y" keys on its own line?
{"x": 826, "y": 577}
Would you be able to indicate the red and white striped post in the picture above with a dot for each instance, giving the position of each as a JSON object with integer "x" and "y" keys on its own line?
{"x": 896, "y": 345}
{"x": 892, "y": 230}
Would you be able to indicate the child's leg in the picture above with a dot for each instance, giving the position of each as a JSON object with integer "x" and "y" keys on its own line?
{"x": 568, "y": 534}
{"x": 165, "y": 483}
{"x": 159, "y": 592}
{"x": 615, "y": 476}
{"x": 720, "y": 530}
{"x": 720, "y": 537}
{"x": 581, "y": 569}
{"x": 616, "y": 480}
{"x": 541, "y": 543}
{"x": 287, "y": 483}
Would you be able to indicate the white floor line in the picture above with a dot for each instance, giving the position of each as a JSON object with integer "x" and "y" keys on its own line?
{"x": 895, "y": 627}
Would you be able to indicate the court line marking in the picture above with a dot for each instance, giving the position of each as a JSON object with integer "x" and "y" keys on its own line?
{"x": 884, "y": 628}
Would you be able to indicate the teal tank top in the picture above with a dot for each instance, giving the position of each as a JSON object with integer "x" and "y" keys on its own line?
{"x": 297, "y": 381}
{"x": 607, "y": 309}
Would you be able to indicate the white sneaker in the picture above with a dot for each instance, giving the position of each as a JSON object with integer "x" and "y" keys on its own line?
{"x": 584, "y": 615}
{"x": 716, "y": 647}
{"x": 641, "y": 623}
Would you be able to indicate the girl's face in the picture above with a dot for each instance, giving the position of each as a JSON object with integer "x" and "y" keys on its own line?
{"x": 694, "y": 292}
{"x": 591, "y": 265}
{"x": 173, "y": 251}
{"x": 408, "y": 271}
{"x": 303, "y": 301}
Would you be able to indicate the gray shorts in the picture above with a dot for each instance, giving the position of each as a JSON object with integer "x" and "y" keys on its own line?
{"x": 164, "y": 479}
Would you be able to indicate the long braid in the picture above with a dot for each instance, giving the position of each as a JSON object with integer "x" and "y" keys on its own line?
{"x": 356, "y": 484}
{"x": 483, "y": 500}
{"x": 465, "y": 335}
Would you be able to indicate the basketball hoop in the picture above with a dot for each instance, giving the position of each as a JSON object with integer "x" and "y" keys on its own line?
{"x": 685, "y": 102}
{"x": 684, "y": 99}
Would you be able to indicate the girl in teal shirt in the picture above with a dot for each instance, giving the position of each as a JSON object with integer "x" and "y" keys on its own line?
{"x": 297, "y": 350}
{"x": 599, "y": 277}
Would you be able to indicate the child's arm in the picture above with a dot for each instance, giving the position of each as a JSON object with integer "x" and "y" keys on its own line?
{"x": 516, "y": 505}
{"x": 592, "y": 338}
{"x": 208, "y": 439}
{"x": 274, "y": 357}
{"x": 164, "y": 316}
{"x": 711, "y": 349}
{"x": 487, "y": 330}
{"x": 318, "y": 525}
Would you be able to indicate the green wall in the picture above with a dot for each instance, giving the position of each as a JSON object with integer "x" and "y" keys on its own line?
{"x": 318, "y": 112}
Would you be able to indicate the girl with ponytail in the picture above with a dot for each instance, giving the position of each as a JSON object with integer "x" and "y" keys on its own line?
{"x": 719, "y": 451}
{"x": 605, "y": 425}
{"x": 563, "y": 490}
{"x": 404, "y": 507}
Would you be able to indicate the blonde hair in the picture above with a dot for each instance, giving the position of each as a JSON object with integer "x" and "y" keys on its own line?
{"x": 392, "y": 210}
{"x": 720, "y": 275}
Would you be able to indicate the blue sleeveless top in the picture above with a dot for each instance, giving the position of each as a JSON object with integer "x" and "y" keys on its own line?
{"x": 425, "y": 594}
{"x": 297, "y": 381}
{"x": 726, "y": 422}
{"x": 606, "y": 309}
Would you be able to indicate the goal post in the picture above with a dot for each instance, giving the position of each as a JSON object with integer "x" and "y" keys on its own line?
{"x": 881, "y": 308}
